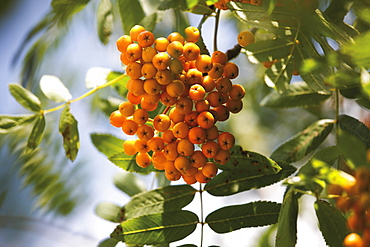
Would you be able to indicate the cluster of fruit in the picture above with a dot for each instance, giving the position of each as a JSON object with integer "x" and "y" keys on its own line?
{"x": 354, "y": 198}
{"x": 308, "y": 5}
{"x": 196, "y": 91}
{"x": 222, "y": 4}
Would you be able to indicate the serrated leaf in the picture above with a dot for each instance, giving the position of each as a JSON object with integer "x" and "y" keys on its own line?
{"x": 159, "y": 228}
{"x": 287, "y": 229}
{"x": 54, "y": 89}
{"x": 9, "y": 124}
{"x": 36, "y": 134}
{"x": 24, "y": 97}
{"x": 131, "y": 13}
{"x": 332, "y": 223}
{"x": 304, "y": 142}
{"x": 162, "y": 200}
{"x": 128, "y": 163}
{"x": 129, "y": 183}
{"x": 107, "y": 143}
{"x": 108, "y": 211}
{"x": 268, "y": 50}
{"x": 355, "y": 127}
{"x": 231, "y": 218}
{"x": 296, "y": 95}
{"x": 104, "y": 20}
{"x": 352, "y": 148}
{"x": 96, "y": 76}
{"x": 246, "y": 170}
{"x": 69, "y": 130}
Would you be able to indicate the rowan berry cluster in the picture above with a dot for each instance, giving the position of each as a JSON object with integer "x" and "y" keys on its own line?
{"x": 354, "y": 198}
{"x": 196, "y": 91}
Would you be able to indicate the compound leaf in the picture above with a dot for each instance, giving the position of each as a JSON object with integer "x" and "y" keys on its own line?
{"x": 304, "y": 142}
{"x": 24, "y": 97}
{"x": 166, "y": 199}
{"x": 160, "y": 228}
{"x": 69, "y": 130}
{"x": 107, "y": 143}
{"x": 332, "y": 223}
{"x": 231, "y": 218}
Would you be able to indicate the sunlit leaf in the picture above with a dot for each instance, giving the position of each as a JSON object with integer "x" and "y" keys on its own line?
{"x": 169, "y": 198}
{"x": 359, "y": 50}
{"x": 68, "y": 129}
{"x": 24, "y": 97}
{"x": 279, "y": 75}
{"x": 160, "y": 228}
{"x": 231, "y": 218}
{"x": 128, "y": 163}
{"x": 304, "y": 142}
{"x": 131, "y": 13}
{"x": 129, "y": 183}
{"x": 104, "y": 20}
{"x": 268, "y": 50}
{"x": 169, "y": 4}
{"x": 96, "y": 76}
{"x": 287, "y": 228}
{"x": 353, "y": 149}
{"x": 119, "y": 86}
{"x": 332, "y": 223}
{"x": 266, "y": 236}
{"x": 36, "y": 133}
{"x": 54, "y": 89}
{"x": 149, "y": 21}
{"x": 65, "y": 9}
{"x": 108, "y": 211}
{"x": 246, "y": 170}
{"x": 9, "y": 124}
{"x": 296, "y": 95}
{"x": 107, "y": 143}
{"x": 355, "y": 127}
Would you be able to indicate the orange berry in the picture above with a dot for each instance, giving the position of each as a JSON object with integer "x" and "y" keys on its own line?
{"x": 130, "y": 127}
{"x": 116, "y": 119}
{"x": 142, "y": 146}
{"x": 158, "y": 166}
{"x": 143, "y": 160}
{"x": 189, "y": 179}
{"x": 151, "y": 99}
{"x": 164, "y": 76}
{"x": 148, "y": 53}
{"x": 176, "y": 116}
{"x": 175, "y": 49}
{"x": 202, "y": 105}
{"x": 212, "y": 133}
{"x": 175, "y": 88}
{"x": 353, "y": 240}
{"x": 234, "y": 106}
{"x": 145, "y": 38}
{"x": 133, "y": 98}
{"x": 161, "y": 43}
{"x": 197, "y": 135}
{"x": 167, "y": 100}
{"x": 133, "y": 52}
{"x": 180, "y": 130}
{"x": 197, "y": 159}
{"x": 159, "y": 157}
{"x": 145, "y": 132}
{"x": 191, "y": 119}
{"x": 191, "y": 51}
{"x": 226, "y": 140}
{"x": 170, "y": 151}
{"x": 245, "y": 38}
{"x": 219, "y": 57}
{"x": 194, "y": 76}
{"x": 192, "y": 34}
{"x": 231, "y": 70}
{"x": 156, "y": 144}
{"x": 133, "y": 70}
{"x": 209, "y": 170}
{"x": 205, "y": 120}
{"x": 152, "y": 87}
{"x": 147, "y": 106}
{"x": 185, "y": 147}
{"x": 182, "y": 164}
{"x": 168, "y": 136}
{"x": 203, "y": 63}
{"x": 137, "y": 87}
{"x": 223, "y": 85}
{"x": 129, "y": 147}
{"x": 124, "y": 59}
{"x": 184, "y": 105}
{"x": 176, "y": 66}
{"x": 199, "y": 176}
{"x": 140, "y": 116}
{"x": 214, "y": 98}
{"x": 161, "y": 122}
{"x": 122, "y": 42}
{"x": 210, "y": 149}
{"x": 161, "y": 60}
{"x": 237, "y": 92}
{"x": 223, "y": 113}
{"x": 197, "y": 92}
{"x": 148, "y": 70}
{"x": 135, "y": 30}
{"x": 208, "y": 83}
{"x": 171, "y": 172}
{"x": 222, "y": 157}
{"x": 126, "y": 108}
{"x": 216, "y": 71}
{"x": 175, "y": 36}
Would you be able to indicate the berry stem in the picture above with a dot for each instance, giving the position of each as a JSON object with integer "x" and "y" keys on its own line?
{"x": 216, "y": 29}
{"x": 111, "y": 82}
{"x": 201, "y": 214}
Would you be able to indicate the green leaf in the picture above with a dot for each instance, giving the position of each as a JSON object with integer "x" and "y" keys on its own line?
{"x": 108, "y": 211}
{"x": 131, "y": 13}
{"x": 304, "y": 142}
{"x": 108, "y": 242}
{"x": 54, "y": 89}
{"x": 97, "y": 76}
{"x": 9, "y": 124}
{"x": 354, "y": 150}
{"x": 149, "y": 21}
{"x": 246, "y": 170}
{"x": 280, "y": 74}
{"x": 169, "y": 4}
{"x": 104, "y": 20}
{"x": 68, "y": 129}
{"x": 287, "y": 229}
{"x": 37, "y": 133}
{"x": 296, "y": 95}
{"x": 107, "y": 143}
{"x": 162, "y": 200}
{"x": 160, "y": 228}
{"x": 64, "y": 9}
{"x": 266, "y": 236}
{"x": 268, "y": 50}
{"x": 119, "y": 86}
{"x": 231, "y": 218}
{"x": 128, "y": 163}
{"x": 129, "y": 183}
{"x": 359, "y": 50}
{"x": 355, "y": 127}
{"x": 24, "y": 97}
{"x": 332, "y": 223}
